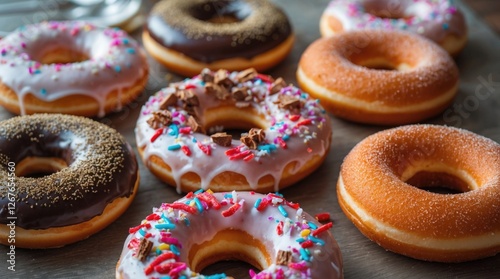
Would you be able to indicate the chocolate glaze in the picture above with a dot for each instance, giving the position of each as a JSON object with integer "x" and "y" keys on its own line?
{"x": 174, "y": 25}
{"x": 69, "y": 196}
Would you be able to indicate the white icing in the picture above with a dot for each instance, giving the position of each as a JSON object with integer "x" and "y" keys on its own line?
{"x": 115, "y": 62}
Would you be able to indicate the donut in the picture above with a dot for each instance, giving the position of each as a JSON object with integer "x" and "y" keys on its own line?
{"x": 64, "y": 178}
{"x": 379, "y": 77}
{"x": 188, "y": 36}
{"x": 182, "y": 133}
{"x": 439, "y": 21}
{"x": 274, "y": 235}
{"x": 70, "y": 67}
{"x": 382, "y": 188}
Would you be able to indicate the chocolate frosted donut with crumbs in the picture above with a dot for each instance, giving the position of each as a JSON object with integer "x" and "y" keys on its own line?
{"x": 187, "y": 36}
{"x": 63, "y": 178}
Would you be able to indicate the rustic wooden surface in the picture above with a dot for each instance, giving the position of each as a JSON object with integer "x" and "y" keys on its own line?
{"x": 475, "y": 109}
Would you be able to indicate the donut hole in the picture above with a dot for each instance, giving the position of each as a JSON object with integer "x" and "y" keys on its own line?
{"x": 221, "y": 12}
{"x": 62, "y": 55}
{"x": 439, "y": 182}
{"x": 382, "y": 64}
{"x": 232, "y": 120}
{"x": 39, "y": 166}
{"x": 385, "y": 9}
{"x": 232, "y": 245}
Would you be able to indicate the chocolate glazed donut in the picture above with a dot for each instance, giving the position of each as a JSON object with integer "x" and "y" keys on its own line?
{"x": 78, "y": 168}
{"x": 207, "y": 31}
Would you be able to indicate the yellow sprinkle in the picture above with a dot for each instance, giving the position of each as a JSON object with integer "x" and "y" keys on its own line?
{"x": 210, "y": 191}
{"x": 192, "y": 203}
{"x": 305, "y": 232}
{"x": 163, "y": 246}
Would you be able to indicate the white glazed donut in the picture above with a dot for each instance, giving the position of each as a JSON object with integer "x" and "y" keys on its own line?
{"x": 70, "y": 67}
{"x": 179, "y": 239}
{"x": 438, "y": 20}
{"x": 289, "y": 136}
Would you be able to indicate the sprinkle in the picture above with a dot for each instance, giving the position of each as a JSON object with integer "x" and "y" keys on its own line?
{"x": 131, "y": 50}
{"x": 303, "y": 254}
{"x": 185, "y": 130}
{"x": 294, "y": 117}
{"x": 118, "y": 68}
{"x": 171, "y": 241}
{"x": 184, "y": 207}
{"x": 153, "y": 217}
{"x": 174, "y": 249}
{"x": 216, "y": 276}
{"x": 307, "y": 244}
{"x": 142, "y": 232}
{"x": 189, "y": 86}
{"x": 321, "y": 229}
{"x": 163, "y": 246}
{"x": 174, "y": 147}
{"x": 303, "y": 122}
{"x": 230, "y": 211}
{"x": 157, "y": 133}
{"x": 249, "y": 157}
{"x": 161, "y": 258}
{"x": 322, "y": 217}
{"x": 445, "y": 26}
{"x": 186, "y": 150}
{"x": 281, "y": 142}
{"x": 174, "y": 130}
{"x": 199, "y": 206}
{"x": 305, "y": 232}
{"x": 43, "y": 91}
{"x": 282, "y": 210}
{"x": 279, "y": 228}
{"x": 317, "y": 240}
{"x": 312, "y": 225}
{"x": 165, "y": 226}
{"x": 257, "y": 203}
{"x": 204, "y": 148}
{"x": 240, "y": 155}
{"x": 263, "y": 204}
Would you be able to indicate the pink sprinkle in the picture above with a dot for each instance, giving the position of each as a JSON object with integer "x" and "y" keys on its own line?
{"x": 57, "y": 67}
{"x": 74, "y": 31}
{"x": 23, "y": 45}
{"x": 171, "y": 240}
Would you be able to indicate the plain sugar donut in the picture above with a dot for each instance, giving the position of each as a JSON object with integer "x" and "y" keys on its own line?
{"x": 181, "y": 133}
{"x": 63, "y": 179}
{"x": 374, "y": 191}
{"x": 70, "y": 67}
{"x": 179, "y": 239}
{"x": 342, "y": 71}
{"x": 188, "y": 36}
{"x": 439, "y": 21}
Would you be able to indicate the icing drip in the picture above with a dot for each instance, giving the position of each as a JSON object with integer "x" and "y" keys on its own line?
{"x": 288, "y": 137}
{"x": 113, "y": 62}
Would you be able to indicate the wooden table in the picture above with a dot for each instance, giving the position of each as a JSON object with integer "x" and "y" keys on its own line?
{"x": 479, "y": 64}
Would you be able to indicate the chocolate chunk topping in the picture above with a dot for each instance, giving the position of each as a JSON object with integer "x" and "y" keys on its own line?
{"x": 283, "y": 257}
{"x": 277, "y": 85}
{"x": 194, "y": 124}
{"x": 206, "y": 75}
{"x": 161, "y": 118}
{"x": 220, "y": 92}
{"x": 188, "y": 97}
{"x": 170, "y": 100}
{"x": 222, "y": 78}
{"x": 288, "y": 102}
{"x": 253, "y": 138}
{"x": 246, "y": 75}
{"x": 239, "y": 94}
{"x": 222, "y": 139}
{"x": 145, "y": 247}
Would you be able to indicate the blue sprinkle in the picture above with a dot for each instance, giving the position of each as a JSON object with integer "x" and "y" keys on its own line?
{"x": 165, "y": 218}
{"x": 183, "y": 277}
{"x": 166, "y": 277}
{"x": 174, "y": 249}
{"x": 300, "y": 240}
{"x": 228, "y": 196}
{"x": 118, "y": 68}
{"x": 174, "y": 130}
{"x": 186, "y": 222}
{"x": 37, "y": 71}
{"x": 199, "y": 191}
{"x": 199, "y": 206}
{"x": 43, "y": 91}
{"x": 286, "y": 137}
{"x": 174, "y": 147}
{"x": 312, "y": 225}
{"x": 304, "y": 255}
{"x": 316, "y": 240}
{"x": 131, "y": 50}
{"x": 278, "y": 194}
{"x": 195, "y": 140}
{"x": 125, "y": 41}
{"x": 282, "y": 210}
{"x": 142, "y": 232}
{"x": 445, "y": 26}
{"x": 257, "y": 202}
{"x": 165, "y": 226}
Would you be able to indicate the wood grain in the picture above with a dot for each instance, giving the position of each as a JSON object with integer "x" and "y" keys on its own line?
{"x": 475, "y": 109}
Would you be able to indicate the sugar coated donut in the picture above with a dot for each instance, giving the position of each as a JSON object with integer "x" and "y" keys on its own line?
{"x": 63, "y": 179}
{"x": 70, "y": 67}
{"x": 188, "y": 36}
{"x": 438, "y": 20}
{"x": 181, "y": 139}
{"x": 379, "y": 77}
{"x": 380, "y": 190}
{"x": 274, "y": 235}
